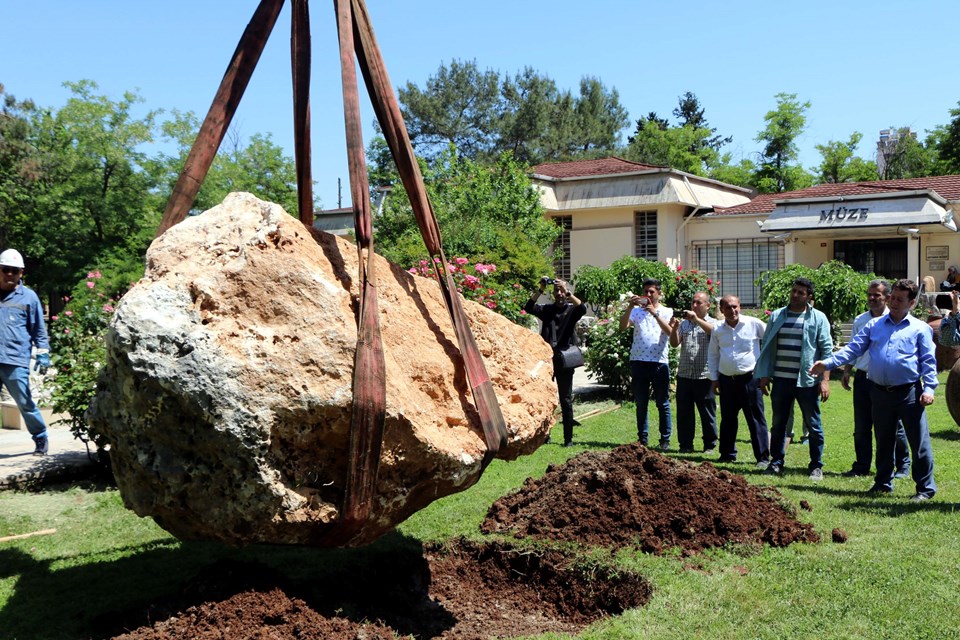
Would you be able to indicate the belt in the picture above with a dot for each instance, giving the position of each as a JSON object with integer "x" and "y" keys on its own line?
{"x": 738, "y": 375}
{"x": 860, "y": 373}
{"x": 895, "y": 388}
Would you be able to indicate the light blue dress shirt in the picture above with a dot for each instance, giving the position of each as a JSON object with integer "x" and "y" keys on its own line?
{"x": 900, "y": 352}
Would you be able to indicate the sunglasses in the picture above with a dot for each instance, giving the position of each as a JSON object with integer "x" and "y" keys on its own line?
{"x": 10, "y": 270}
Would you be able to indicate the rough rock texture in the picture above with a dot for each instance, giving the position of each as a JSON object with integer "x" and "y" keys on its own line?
{"x": 227, "y": 395}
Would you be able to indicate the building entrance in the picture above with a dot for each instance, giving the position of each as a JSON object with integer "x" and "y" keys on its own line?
{"x": 887, "y": 257}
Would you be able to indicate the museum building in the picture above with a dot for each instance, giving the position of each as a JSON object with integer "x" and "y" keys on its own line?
{"x": 610, "y": 208}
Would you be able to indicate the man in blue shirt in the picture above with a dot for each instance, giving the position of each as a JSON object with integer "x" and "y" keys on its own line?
{"x": 796, "y": 336}
{"x": 903, "y": 369}
{"x": 21, "y": 329}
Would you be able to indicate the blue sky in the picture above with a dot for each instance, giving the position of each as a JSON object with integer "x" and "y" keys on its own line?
{"x": 863, "y": 65}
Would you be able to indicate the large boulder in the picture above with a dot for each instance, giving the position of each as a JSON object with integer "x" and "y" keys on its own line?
{"x": 226, "y": 398}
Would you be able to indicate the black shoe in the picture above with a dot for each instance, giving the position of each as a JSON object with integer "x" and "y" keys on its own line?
{"x": 663, "y": 447}
{"x": 775, "y": 470}
{"x": 568, "y": 443}
{"x": 686, "y": 449}
{"x": 853, "y": 473}
{"x": 43, "y": 445}
{"x": 878, "y": 490}
{"x": 726, "y": 459}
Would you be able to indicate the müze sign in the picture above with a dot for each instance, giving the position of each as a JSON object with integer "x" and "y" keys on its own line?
{"x": 843, "y": 214}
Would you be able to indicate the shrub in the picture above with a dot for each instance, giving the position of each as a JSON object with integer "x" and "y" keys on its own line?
{"x": 476, "y": 283}
{"x": 602, "y": 287}
{"x": 839, "y": 291}
{"x": 689, "y": 282}
{"x": 78, "y": 351}
{"x": 608, "y": 356}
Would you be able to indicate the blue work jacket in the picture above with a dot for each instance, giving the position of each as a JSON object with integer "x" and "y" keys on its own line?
{"x": 817, "y": 344}
{"x": 21, "y": 327}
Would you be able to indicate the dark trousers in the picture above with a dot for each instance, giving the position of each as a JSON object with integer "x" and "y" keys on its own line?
{"x": 742, "y": 393}
{"x": 696, "y": 393}
{"x": 863, "y": 429}
{"x": 645, "y": 375}
{"x": 564, "y": 378}
{"x": 785, "y": 392}
{"x": 902, "y": 404}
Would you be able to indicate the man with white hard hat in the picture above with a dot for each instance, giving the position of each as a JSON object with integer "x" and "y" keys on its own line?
{"x": 21, "y": 329}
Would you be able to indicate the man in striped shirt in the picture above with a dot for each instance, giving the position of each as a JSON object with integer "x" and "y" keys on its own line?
{"x": 797, "y": 336}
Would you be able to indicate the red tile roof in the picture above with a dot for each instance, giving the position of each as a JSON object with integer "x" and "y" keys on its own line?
{"x": 596, "y": 167}
{"x": 947, "y": 186}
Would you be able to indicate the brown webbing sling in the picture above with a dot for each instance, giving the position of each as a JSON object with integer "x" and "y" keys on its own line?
{"x": 369, "y": 381}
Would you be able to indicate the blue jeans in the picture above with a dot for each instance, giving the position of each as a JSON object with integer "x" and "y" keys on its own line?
{"x": 784, "y": 393}
{"x": 902, "y": 404}
{"x": 17, "y": 381}
{"x": 645, "y": 375}
{"x": 863, "y": 429}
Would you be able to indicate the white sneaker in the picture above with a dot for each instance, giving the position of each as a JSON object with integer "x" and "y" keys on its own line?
{"x": 816, "y": 475}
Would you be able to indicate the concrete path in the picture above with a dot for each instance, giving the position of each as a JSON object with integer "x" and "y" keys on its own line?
{"x": 19, "y": 468}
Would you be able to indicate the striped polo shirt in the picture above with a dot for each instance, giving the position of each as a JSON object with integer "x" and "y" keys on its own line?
{"x": 789, "y": 343}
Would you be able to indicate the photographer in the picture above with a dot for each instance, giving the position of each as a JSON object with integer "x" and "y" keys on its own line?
{"x": 559, "y": 321}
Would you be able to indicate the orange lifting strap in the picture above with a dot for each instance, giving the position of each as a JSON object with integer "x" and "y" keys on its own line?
{"x": 369, "y": 375}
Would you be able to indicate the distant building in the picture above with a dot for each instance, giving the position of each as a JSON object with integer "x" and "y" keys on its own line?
{"x": 887, "y": 145}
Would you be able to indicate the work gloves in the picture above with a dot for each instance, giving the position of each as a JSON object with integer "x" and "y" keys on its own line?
{"x": 42, "y": 363}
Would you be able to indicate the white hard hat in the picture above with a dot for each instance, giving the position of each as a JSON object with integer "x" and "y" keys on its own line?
{"x": 11, "y": 258}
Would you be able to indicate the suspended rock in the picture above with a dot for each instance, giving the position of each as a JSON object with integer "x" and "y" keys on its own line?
{"x": 227, "y": 395}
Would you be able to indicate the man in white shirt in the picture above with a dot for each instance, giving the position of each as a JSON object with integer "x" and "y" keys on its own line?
{"x": 731, "y": 359}
{"x": 649, "y": 362}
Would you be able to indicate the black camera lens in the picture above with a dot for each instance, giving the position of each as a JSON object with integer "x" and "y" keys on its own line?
{"x": 546, "y": 280}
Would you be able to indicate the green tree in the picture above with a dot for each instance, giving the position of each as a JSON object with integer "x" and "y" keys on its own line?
{"x": 22, "y": 167}
{"x": 484, "y": 116}
{"x": 691, "y": 146}
{"x": 689, "y": 113}
{"x": 94, "y": 196}
{"x": 840, "y": 164}
{"x": 486, "y": 213}
{"x": 778, "y": 170}
{"x": 599, "y": 118}
{"x": 257, "y": 165}
{"x": 742, "y": 174}
{"x": 460, "y": 105}
{"x": 947, "y": 144}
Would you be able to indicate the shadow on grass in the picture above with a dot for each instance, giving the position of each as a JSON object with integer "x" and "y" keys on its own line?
{"x": 105, "y": 598}
{"x": 896, "y": 506}
{"x": 949, "y": 436}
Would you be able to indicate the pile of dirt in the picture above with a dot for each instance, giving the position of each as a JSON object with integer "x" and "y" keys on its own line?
{"x": 633, "y": 496}
{"x": 630, "y": 496}
{"x": 460, "y": 590}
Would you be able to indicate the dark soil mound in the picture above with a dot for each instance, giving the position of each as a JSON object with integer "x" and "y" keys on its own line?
{"x": 462, "y": 590}
{"x": 633, "y": 496}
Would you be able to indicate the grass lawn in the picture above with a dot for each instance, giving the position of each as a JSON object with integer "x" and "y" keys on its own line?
{"x": 897, "y": 576}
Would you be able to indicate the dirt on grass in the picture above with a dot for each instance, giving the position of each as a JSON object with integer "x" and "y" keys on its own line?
{"x": 628, "y": 497}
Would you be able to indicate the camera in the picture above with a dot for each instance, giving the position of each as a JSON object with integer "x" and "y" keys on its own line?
{"x": 545, "y": 280}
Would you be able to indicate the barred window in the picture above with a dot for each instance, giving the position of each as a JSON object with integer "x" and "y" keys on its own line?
{"x": 645, "y": 235}
{"x": 561, "y": 247}
{"x": 736, "y": 264}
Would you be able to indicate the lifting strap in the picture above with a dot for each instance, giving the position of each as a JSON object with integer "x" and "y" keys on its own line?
{"x": 369, "y": 383}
